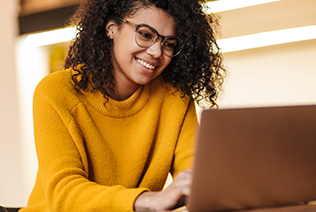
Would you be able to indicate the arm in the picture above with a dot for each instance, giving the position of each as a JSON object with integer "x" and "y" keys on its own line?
{"x": 173, "y": 196}
{"x": 64, "y": 168}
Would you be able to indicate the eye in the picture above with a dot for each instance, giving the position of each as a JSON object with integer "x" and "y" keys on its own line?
{"x": 170, "y": 45}
{"x": 145, "y": 35}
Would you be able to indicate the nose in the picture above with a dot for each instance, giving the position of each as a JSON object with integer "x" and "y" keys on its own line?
{"x": 155, "y": 50}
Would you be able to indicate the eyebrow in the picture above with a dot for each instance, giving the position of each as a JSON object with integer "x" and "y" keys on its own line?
{"x": 143, "y": 24}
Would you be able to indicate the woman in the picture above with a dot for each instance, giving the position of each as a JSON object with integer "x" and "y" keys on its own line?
{"x": 109, "y": 129}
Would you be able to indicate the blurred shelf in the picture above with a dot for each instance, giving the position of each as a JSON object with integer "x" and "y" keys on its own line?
{"x": 37, "y": 6}
{"x": 45, "y": 20}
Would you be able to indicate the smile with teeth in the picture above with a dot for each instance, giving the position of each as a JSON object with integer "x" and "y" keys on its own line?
{"x": 147, "y": 65}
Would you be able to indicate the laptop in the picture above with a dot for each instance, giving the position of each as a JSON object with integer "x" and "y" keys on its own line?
{"x": 250, "y": 158}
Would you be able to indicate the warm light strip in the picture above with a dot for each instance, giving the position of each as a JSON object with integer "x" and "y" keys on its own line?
{"x": 224, "y": 5}
{"x": 67, "y": 34}
{"x": 267, "y": 38}
{"x": 51, "y": 37}
{"x": 227, "y": 45}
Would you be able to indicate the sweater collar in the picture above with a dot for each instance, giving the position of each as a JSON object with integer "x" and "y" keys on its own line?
{"x": 125, "y": 108}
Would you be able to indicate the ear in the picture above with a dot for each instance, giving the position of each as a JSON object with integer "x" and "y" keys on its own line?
{"x": 110, "y": 28}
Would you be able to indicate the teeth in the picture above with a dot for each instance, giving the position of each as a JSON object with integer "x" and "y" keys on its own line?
{"x": 146, "y": 64}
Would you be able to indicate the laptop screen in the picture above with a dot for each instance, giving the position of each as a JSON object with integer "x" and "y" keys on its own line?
{"x": 254, "y": 157}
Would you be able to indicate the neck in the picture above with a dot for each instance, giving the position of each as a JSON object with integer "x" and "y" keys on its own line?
{"x": 124, "y": 93}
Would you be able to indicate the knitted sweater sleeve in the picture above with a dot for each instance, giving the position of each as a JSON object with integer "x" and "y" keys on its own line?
{"x": 184, "y": 150}
{"x": 64, "y": 171}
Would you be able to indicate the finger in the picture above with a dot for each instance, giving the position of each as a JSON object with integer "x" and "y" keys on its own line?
{"x": 185, "y": 174}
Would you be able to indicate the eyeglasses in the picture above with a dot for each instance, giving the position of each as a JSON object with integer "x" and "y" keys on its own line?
{"x": 146, "y": 36}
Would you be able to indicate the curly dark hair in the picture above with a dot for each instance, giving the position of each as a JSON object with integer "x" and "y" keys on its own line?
{"x": 197, "y": 71}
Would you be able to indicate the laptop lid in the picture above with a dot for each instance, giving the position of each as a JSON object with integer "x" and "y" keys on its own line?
{"x": 254, "y": 157}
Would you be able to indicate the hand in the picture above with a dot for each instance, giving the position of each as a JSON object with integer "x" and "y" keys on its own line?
{"x": 170, "y": 198}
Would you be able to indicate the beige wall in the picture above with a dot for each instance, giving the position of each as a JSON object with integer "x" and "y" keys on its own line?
{"x": 11, "y": 186}
{"x": 276, "y": 75}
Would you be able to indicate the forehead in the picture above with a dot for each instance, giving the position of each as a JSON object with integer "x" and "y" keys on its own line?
{"x": 156, "y": 18}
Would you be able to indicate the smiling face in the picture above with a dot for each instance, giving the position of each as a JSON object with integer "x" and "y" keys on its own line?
{"x": 133, "y": 65}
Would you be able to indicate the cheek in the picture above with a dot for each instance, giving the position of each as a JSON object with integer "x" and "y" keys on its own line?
{"x": 123, "y": 43}
{"x": 123, "y": 53}
{"x": 126, "y": 50}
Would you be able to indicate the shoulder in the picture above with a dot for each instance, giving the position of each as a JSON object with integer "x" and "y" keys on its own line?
{"x": 169, "y": 94}
{"x": 170, "y": 99}
{"x": 56, "y": 87}
{"x": 55, "y": 80}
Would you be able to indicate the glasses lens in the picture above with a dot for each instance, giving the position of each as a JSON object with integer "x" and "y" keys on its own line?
{"x": 170, "y": 46}
{"x": 145, "y": 37}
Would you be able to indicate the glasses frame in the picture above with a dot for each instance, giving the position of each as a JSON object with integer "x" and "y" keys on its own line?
{"x": 164, "y": 38}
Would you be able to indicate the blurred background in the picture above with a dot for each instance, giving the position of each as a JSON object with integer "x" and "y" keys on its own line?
{"x": 269, "y": 50}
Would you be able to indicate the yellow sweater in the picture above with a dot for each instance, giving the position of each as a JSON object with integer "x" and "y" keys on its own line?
{"x": 99, "y": 157}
